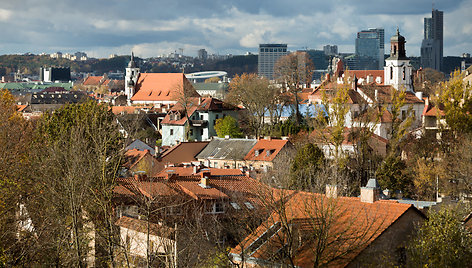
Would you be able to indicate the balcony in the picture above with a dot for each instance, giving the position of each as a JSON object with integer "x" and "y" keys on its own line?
{"x": 198, "y": 123}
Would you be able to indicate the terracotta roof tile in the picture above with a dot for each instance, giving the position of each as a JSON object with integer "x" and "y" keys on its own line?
{"x": 266, "y": 150}
{"x": 350, "y": 217}
{"x": 92, "y": 81}
{"x": 161, "y": 86}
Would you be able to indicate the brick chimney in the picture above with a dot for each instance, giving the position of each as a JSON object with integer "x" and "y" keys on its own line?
{"x": 371, "y": 192}
{"x": 205, "y": 176}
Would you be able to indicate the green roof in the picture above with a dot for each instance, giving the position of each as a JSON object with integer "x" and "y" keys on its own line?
{"x": 210, "y": 86}
{"x": 25, "y": 86}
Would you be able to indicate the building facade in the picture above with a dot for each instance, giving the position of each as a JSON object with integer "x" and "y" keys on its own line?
{"x": 432, "y": 45}
{"x": 268, "y": 56}
{"x": 370, "y": 48}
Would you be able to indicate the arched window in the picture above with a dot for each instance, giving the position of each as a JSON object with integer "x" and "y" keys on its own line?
{"x": 403, "y": 73}
{"x": 391, "y": 72}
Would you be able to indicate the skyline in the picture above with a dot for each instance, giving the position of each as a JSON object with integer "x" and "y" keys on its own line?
{"x": 150, "y": 29}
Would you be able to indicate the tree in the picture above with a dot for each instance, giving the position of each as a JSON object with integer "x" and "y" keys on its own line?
{"x": 393, "y": 175}
{"x": 77, "y": 158}
{"x": 15, "y": 137}
{"x": 442, "y": 241}
{"x": 185, "y": 95}
{"x": 256, "y": 95}
{"x": 228, "y": 126}
{"x": 294, "y": 72}
{"x": 308, "y": 160}
{"x": 456, "y": 97}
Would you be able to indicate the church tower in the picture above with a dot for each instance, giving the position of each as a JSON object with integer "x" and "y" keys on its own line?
{"x": 131, "y": 78}
{"x": 398, "y": 70}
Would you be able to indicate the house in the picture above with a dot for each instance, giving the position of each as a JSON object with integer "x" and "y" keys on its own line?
{"x": 184, "y": 152}
{"x": 312, "y": 229}
{"x": 433, "y": 118}
{"x": 102, "y": 83}
{"x": 194, "y": 120}
{"x": 265, "y": 152}
{"x": 137, "y": 161}
{"x": 204, "y": 206}
{"x": 350, "y": 143}
{"x": 226, "y": 152}
{"x": 141, "y": 146}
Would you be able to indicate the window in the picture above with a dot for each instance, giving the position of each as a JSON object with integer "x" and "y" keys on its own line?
{"x": 235, "y": 205}
{"x": 249, "y": 205}
{"x": 391, "y": 72}
{"x": 403, "y": 73}
{"x": 191, "y": 132}
{"x": 201, "y": 132}
{"x": 201, "y": 117}
{"x": 256, "y": 152}
{"x": 215, "y": 208}
{"x": 171, "y": 132}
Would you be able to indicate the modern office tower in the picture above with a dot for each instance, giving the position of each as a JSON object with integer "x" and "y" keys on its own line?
{"x": 432, "y": 45}
{"x": 268, "y": 56}
{"x": 370, "y": 47}
{"x": 330, "y": 50}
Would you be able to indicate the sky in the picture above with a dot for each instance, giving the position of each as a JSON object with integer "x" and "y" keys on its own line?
{"x": 155, "y": 27}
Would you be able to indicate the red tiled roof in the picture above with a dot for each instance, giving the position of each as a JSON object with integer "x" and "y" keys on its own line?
{"x": 188, "y": 171}
{"x": 20, "y": 108}
{"x": 92, "y": 81}
{"x": 364, "y": 73}
{"x": 161, "y": 87}
{"x": 128, "y": 109}
{"x": 431, "y": 110}
{"x": 267, "y": 150}
{"x": 198, "y": 192}
{"x": 384, "y": 94}
{"x": 348, "y": 217}
{"x": 132, "y": 157}
{"x": 330, "y": 91}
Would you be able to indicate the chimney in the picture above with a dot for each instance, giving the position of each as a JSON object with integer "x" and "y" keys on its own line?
{"x": 371, "y": 192}
{"x": 331, "y": 191}
{"x": 419, "y": 95}
{"x": 205, "y": 176}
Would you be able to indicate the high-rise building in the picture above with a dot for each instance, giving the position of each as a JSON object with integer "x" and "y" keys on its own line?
{"x": 370, "y": 47}
{"x": 432, "y": 45}
{"x": 330, "y": 50}
{"x": 268, "y": 56}
{"x": 202, "y": 54}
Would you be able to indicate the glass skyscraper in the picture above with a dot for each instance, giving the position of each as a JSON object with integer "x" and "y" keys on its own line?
{"x": 432, "y": 45}
{"x": 370, "y": 47}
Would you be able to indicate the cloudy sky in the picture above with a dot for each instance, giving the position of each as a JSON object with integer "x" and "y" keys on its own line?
{"x": 154, "y": 27}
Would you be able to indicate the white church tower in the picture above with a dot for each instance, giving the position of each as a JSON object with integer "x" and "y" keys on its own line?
{"x": 398, "y": 70}
{"x": 131, "y": 78}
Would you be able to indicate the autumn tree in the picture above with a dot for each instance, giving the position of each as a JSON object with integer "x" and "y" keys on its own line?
{"x": 294, "y": 72}
{"x": 15, "y": 136}
{"x": 256, "y": 95}
{"x": 442, "y": 241}
{"x": 456, "y": 97}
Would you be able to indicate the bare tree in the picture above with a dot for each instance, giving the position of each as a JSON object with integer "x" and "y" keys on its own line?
{"x": 294, "y": 72}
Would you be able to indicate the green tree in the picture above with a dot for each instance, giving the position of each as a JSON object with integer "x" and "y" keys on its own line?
{"x": 394, "y": 176}
{"x": 306, "y": 163}
{"x": 228, "y": 126}
{"x": 442, "y": 241}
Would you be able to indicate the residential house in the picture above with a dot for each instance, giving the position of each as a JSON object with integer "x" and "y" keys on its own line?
{"x": 102, "y": 84}
{"x": 184, "y": 152}
{"x": 194, "y": 120}
{"x": 226, "y": 152}
{"x": 141, "y": 146}
{"x": 137, "y": 161}
{"x": 265, "y": 152}
{"x": 201, "y": 205}
{"x": 333, "y": 231}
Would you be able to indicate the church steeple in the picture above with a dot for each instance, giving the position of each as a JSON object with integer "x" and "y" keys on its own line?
{"x": 397, "y": 47}
{"x": 131, "y": 78}
{"x": 398, "y": 70}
